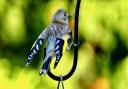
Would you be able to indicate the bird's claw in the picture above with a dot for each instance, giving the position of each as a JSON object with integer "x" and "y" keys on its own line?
{"x": 42, "y": 71}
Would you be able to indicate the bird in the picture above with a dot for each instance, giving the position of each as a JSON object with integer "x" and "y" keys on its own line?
{"x": 54, "y": 36}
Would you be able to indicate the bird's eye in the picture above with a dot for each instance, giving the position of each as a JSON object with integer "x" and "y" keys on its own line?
{"x": 65, "y": 14}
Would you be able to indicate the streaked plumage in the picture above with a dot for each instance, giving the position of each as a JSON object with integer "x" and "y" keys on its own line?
{"x": 54, "y": 36}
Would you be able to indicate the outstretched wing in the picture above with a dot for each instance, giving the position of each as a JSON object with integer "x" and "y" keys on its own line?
{"x": 58, "y": 50}
{"x": 36, "y": 46}
{"x": 59, "y": 47}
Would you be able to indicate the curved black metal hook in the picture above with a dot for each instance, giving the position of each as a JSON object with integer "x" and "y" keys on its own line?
{"x": 76, "y": 42}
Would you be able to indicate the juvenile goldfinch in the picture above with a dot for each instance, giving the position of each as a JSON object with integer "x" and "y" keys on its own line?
{"x": 54, "y": 36}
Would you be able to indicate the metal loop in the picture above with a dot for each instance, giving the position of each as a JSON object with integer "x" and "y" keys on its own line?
{"x": 58, "y": 85}
{"x": 61, "y": 78}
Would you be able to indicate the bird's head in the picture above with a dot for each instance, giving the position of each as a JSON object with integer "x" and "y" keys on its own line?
{"x": 61, "y": 17}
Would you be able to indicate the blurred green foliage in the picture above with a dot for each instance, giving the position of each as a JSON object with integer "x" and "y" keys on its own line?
{"x": 103, "y": 52}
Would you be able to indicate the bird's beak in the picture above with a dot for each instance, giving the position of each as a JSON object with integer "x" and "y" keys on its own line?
{"x": 69, "y": 16}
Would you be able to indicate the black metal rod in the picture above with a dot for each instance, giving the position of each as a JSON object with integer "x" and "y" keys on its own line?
{"x": 65, "y": 77}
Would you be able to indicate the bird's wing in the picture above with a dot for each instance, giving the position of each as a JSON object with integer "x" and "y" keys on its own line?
{"x": 36, "y": 46}
{"x": 58, "y": 50}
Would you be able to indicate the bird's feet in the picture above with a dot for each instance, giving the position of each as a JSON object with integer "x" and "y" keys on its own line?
{"x": 43, "y": 71}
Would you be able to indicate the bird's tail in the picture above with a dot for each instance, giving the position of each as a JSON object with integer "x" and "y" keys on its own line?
{"x": 45, "y": 66}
